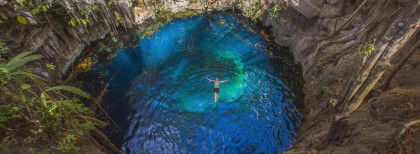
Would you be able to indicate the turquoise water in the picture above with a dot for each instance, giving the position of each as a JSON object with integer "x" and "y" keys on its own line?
{"x": 167, "y": 105}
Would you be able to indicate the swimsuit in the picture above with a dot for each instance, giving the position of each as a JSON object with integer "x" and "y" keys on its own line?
{"x": 216, "y": 90}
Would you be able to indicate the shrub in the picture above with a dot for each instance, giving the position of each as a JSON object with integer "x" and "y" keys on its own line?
{"x": 276, "y": 11}
{"x": 255, "y": 10}
{"x": 366, "y": 48}
{"x": 326, "y": 90}
{"x": 326, "y": 81}
{"x": 318, "y": 66}
{"x": 27, "y": 98}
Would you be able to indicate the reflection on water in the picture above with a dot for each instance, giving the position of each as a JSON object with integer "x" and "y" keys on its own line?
{"x": 171, "y": 102}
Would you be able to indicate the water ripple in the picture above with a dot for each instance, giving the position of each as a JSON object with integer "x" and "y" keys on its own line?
{"x": 172, "y": 102}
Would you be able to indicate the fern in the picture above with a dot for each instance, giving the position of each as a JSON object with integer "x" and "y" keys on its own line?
{"x": 3, "y": 49}
{"x": 50, "y": 110}
{"x": 67, "y": 144}
{"x": 27, "y": 74}
{"x": 71, "y": 89}
{"x": 22, "y": 59}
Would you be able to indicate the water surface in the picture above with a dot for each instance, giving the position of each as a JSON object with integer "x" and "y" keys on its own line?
{"x": 160, "y": 92}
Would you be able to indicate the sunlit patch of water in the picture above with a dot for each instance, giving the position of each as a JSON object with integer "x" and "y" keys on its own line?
{"x": 172, "y": 107}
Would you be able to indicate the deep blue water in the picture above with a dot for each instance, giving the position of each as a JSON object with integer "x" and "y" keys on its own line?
{"x": 159, "y": 93}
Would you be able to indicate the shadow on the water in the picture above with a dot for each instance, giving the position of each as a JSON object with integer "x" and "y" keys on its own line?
{"x": 158, "y": 95}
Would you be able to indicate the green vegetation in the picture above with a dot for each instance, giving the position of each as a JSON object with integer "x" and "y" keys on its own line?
{"x": 324, "y": 83}
{"x": 163, "y": 17}
{"x": 255, "y": 10}
{"x": 276, "y": 11}
{"x": 3, "y": 49}
{"x": 318, "y": 66}
{"x": 76, "y": 14}
{"x": 367, "y": 49}
{"x": 30, "y": 110}
{"x": 326, "y": 90}
{"x": 328, "y": 80}
{"x": 67, "y": 144}
{"x": 185, "y": 14}
{"x": 3, "y": 17}
{"x": 5, "y": 144}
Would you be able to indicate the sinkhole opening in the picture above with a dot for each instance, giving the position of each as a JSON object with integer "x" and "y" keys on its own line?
{"x": 158, "y": 95}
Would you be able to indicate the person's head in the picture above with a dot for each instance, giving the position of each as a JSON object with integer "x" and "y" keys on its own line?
{"x": 217, "y": 79}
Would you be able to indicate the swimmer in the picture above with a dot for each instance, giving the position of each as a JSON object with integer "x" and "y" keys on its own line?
{"x": 216, "y": 87}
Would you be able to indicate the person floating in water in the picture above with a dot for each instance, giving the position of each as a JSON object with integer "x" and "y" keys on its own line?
{"x": 216, "y": 87}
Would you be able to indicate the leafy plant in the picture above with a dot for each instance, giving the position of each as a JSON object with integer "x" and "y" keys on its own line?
{"x": 255, "y": 10}
{"x": 38, "y": 6}
{"x": 21, "y": 59}
{"x": 81, "y": 128}
{"x": 4, "y": 17}
{"x": 48, "y": 106}
{"x": 276, "y": 11}
{"x": 29, "y": 139}
{"x": 326, "y": 89}
{"x": 8, "y": 70}
{"x": 21, "y": 19}
{"x": 73, "y": 90}
{"x": 5, "y": 144}
{"x": 72, "y": 22}
{"x": 328, "y": 80}
{"x": 110, "y": 3}
{"x": 3, "y": 49}
{"x": 7, "y": 113}
{"x": 67, "y": 144}
{"x": 50, "y": 66}
{"x": 84, "y": 13}
{"x": 318, "y": 66}
{"x": 367, "y": 49}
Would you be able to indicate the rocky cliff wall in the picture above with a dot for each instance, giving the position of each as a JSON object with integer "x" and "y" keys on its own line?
{"x": 355, "y": 103}
{"x": 50, "y": 33}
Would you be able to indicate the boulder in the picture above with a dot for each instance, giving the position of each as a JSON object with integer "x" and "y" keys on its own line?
{"x": 308, "y": 8}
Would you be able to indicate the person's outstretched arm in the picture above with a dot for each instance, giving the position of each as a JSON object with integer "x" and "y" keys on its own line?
{"x": 210, "y": 79}
{"x": 224, "y": 81}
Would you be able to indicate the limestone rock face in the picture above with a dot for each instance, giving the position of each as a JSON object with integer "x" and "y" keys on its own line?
{"x": 149, "y": 11}
{"x": 177, "y": 6}
{"x": 332, "y": 9}
{"x": 143, "y": 13}
{"x": 59, "y": 42}
{"x": 309, "y": 8}
{"x": 126, "y": 13}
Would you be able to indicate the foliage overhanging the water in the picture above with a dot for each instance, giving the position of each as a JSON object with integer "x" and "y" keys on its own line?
{"x": 31, "y": 111}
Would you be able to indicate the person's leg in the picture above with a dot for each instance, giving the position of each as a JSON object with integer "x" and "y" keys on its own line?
{"x": 215, "y": 97}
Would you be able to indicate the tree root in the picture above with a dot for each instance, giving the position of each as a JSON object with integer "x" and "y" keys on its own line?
{"x": 402, "y": 132}
{"x": 106, "y": 141}
{"x": 97, "y": 102}
{"x": 385, "y": 86}
{"x": 344, "y": 25}
{"x": 336, "y": 134}
{"x": 324, "y": 45}
{"x": 366, "y": 80}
